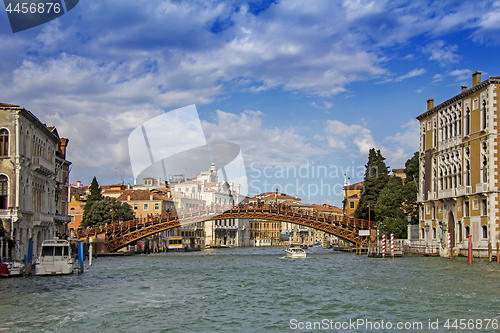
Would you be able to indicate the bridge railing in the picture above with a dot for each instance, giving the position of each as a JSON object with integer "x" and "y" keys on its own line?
{"x": 211, "y": 210}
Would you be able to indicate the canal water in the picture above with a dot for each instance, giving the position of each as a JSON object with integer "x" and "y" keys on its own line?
{"x": 257, "y": 290}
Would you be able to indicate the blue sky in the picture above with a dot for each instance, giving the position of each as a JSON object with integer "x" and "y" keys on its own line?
{"x": 294, "y": 83}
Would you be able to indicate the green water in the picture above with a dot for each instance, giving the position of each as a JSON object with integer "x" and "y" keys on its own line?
{"x": 256, "y": 290}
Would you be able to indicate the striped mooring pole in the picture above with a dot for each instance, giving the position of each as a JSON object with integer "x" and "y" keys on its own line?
{"x": 450, "y": 255}
{"x": 383, "y": 245}
{"x": 392, "y": 246}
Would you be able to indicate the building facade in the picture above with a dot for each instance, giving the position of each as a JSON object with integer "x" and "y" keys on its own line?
{"x": 34, "y": 176}
{"x": 458, "y": 190}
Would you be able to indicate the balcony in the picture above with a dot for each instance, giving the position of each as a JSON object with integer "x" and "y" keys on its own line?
{"x": 431, "y": 195}
{"x": 448, "y": 193}
{"x": 468, "y": 190}
{"x": 460, "y": 191}
{"x": 481, "y": 187}
{"x": 420, "y": 197}
{"x": 42, "y": 166}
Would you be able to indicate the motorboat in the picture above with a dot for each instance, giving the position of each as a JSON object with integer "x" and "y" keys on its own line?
{"x": 304, "y": 246}
{"x": 55, "y": 258}
{"x": 295, "y": 252}
{"x": 11, "y": 268}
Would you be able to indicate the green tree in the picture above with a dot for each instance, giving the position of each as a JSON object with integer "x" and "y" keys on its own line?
{"x": 108, "y": 208}
{"x": 94, "y": 196}
{"x": 388, "y": 208}
{"x": 410, "y": 188}
{"x": 376, "y": 177}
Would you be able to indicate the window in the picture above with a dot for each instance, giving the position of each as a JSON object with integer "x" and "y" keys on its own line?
{"x": 467, "y": 231}
{"x": 434, "y": 212}
{"x": 4, "y": 191}
{"x": 485, "y": 231}
{"x": 485, "y": 207}
{"x": 466, "y": 208}
{"x": 467, "y": 122}
{"x": 157, "y": 206}
{"x": 459, "y": 231}
{"x": 483, "y": 115}
{"x": 146, "y": 207}
{"x": 423, "y": 233}
{"x": 434, "y": 233}
{"x": 351, "y": 204}
{"x": 4, "y": 143}
{"x": 475, "y": 204}
{"x": 427, "y": 210}
{"x": 136, "y": 206}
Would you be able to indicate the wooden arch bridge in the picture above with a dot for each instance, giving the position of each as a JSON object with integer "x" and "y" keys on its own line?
{"x": 120, "y": 234}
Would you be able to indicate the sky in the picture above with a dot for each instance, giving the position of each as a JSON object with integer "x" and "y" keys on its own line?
{"x": 305, "y": 88}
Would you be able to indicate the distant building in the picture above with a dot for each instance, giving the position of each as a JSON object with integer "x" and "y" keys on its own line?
{"x": 75, "y": 211}
{"x": 458, "y": 190}
{"x": 34, "y": 176}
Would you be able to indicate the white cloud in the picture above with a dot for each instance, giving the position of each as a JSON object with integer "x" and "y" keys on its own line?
{"x": 412, "y": 73}
{"x": 325, "y": 105}
{"x": 461, "y": 74}
{"x": 359, "y": 139}
{"x": 442, "y": 53}
{"x": 266, "y": 145}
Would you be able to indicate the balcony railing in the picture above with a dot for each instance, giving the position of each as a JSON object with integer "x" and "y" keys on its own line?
{"x": 431, "y": 195}
{"x": 43, "y": 166}
{"x": 481, "y": 187}
{"x": 468, "y": 190}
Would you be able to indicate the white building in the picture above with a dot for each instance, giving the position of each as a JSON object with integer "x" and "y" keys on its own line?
{"x": 33, "y": 179}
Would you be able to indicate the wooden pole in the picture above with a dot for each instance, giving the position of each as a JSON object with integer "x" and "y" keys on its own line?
{"x": 490, "y": 252}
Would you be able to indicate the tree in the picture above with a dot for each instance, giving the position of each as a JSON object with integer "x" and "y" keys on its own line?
{"x": 410, "y": 188}
{"x": 94, "y": 196}
{"x": 388, "y": 208}
{"x": 376, "y": 177}
{"x": 106, "y": 209}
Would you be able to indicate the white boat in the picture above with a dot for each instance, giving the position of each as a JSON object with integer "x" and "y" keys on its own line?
{"x": 55, "y": 258}
{"x": 295, "y": 252}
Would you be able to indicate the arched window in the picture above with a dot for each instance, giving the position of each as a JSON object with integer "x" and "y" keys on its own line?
{"x": 467, "y": 122}
{"x": 4, "y": 143}
{"x": 483, "y": 115}
{"x": 4, "y": 191}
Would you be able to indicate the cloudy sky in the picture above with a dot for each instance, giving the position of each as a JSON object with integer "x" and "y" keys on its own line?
{"x": 305, "y": 88}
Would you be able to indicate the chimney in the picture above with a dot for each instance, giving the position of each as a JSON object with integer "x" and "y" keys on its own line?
{"x": 150, "y": 197}
{"x": 159, "y": 181}
{"x": 64, "y": 144}
{"x": 464, "y": 88}
{"x": 168, "y": 195}
{"x": 231, "y": 186}
{"x": 476, "y": 78}
{"x": 430, "y": 103}
{"x": 128, "y": 197}
{"x": 78, "y": 184}
{"x": 238, "y": 188}
{"x": 128, "y": 186}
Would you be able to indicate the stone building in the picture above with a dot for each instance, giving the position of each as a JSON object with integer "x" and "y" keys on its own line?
{"x": 458, "y": 190}
{"x": 34, "y": 176}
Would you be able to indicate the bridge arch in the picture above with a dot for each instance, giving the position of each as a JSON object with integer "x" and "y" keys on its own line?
{"x": 120, "y": 235}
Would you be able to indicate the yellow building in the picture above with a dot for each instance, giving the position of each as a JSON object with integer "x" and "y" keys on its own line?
{"x": 352, "y": 193}
{"x": 458, "y": 190}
